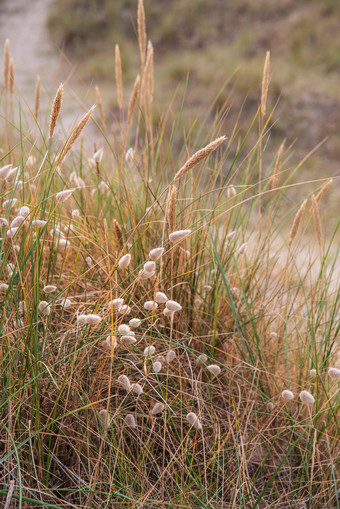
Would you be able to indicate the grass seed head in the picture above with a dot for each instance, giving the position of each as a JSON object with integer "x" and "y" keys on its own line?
{"x": 49, "y": 288}
{"x": 56, "y": 108}
{"x": 135, "y": 322}
{"x": 105, "y": 418}
{"x": 287, "y": 395}
{"x": 214, "y": 369}
{"x": 193, "y": 420}
{"x": 334, "y": 373}
{"x": 130, "y": 421}
{"x": 44, "y": 308}
{"x": 157, "y": 367}
{"x": 124, "y": 382}
{"x": 150, "y": 305}
{"x": 173, "y": 306}
{"x": 170, "y": 356}
{"x": 307, "y": 398}
{"x": 179, "y": 235}
{"x": 64, "y": 195}
{"x": 161, "y": 298}
{"x": 128, "y": 339}
{"x": 156, "y": 254}
{"x": 116, "y": 303}
{"x": 65, "y": 303}
{"x": 124, "y": 262}
{"x": 137, "y": 389}
{"x": 149, "y": 351}
{"x": 93, "y": 319}
{"x": 149, "y": 266}
{"x": 158, "y": 408}
{"x": 124, "y": 329}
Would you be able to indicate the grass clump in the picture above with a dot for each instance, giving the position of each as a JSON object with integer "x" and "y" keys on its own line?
{"x": 198, "y": 297}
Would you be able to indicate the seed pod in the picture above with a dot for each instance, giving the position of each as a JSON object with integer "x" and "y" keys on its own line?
{"x": 50, "y": 289}
{"x": 137, "y": 389}
{"x": 287, "y": 395}
{"x": 135, "y": 322}
{"x": 24, "y": 211}
{"x": 128, "y": 340}
{"x": 158, "y": 408}
{"x": 124, "y": 329}
{"x": 172, "y": 305}
{"x": 156, "y": 254}
{"x": 334, "y": 373}
{"x": 179, "y": 235}
{"x": 124, "y": 262}
{"x": 116, "y": 303}
{"x": 124, "y": 382}
{"x": 81, "y": 319}
{"x": 146, "y": 275}
{"x": 194, "y": 420}
{"x": 17, "y": 221}
{"x": 161, "y": 298}
{"x": 65, "y": 303}
{"x": 105, "y": 418}
{"x": 150, "y": 305}
{"x": 214, "y": 369}
{"x": 130, "y": 421}
{"x": 124, "y": 310}
{"x": 149, "y": 350}
{"x": 63, "y": 195}
{"x": 93, "y": 319}
{"x": 149, "y": 266}
{"x": 307, "y": 398}
{"x": 44, "y": 308}
{"x": 170, "y": 356}
{"x": 157, "y": 367}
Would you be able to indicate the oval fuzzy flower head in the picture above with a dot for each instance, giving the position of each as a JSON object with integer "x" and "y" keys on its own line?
{"x": 334, "y": 373}
{"x": 170, "y": 356}
{"x": 124, "y": 382}
{"x": 179, "y": 235}
{"x": 161, "y": 298}
{"x": 149, "y": 350}
{"x": 105, "y": 418}
{"x": 307, "y": 398}
{"x": 130, "y": 421}
{"x": 157, "y": 367}
{"x": 124, "y": 329}
{"x": 173, "y": 306}
{"x": 150, "y": 305}
{"x": 158, "y": 408}
{"x": 149, "y": 266}
{"x": 156, "y": 254}
{"x": 145, "y": 274}
{"x": 124, "y": 262}
{"x": 135, "y": 322}
{"x": 64, "y": 195}
{"x": 50, "y": 288}
{"x": 110, "y": 342}
{"x": 214, "y": 369}
{"x": 124, "y": 309}
{"x": 287, "y": 395}
{"x": 116, "y": 303}
{"x": 137, "y": 389}
{"x": 93, "y": 319}
{"x": 44, "y": 308}
{"x": 128, "y": 340}
{"x": 168, "y": 313}
{"x": 194, "y": 420}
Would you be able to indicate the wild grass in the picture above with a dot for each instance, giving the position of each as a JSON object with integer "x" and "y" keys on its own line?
{"x": 141, "y": 367}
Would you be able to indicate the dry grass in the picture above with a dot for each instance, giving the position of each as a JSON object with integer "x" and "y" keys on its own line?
{"x": 182, "y": 406}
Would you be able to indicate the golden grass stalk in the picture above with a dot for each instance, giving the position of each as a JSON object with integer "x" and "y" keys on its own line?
{"x": 296, "y": 222}
{"x": 265, "y": 84}
{"x": 199, "y": 156}
{"x": 323, "y": 190}
{"x": 277, "y": 167}
{"x": 133, "y": 98}
{"x": 56, "y": 107}
{"x": 100, "y": 107}
{"x": 317, "y": 221}
{"x": 11, "y": 77}
{"x": 119, "y": 77}
{"x": 141, "y": 30}
{"x": 171, "y": 209}
{"x": 149, "y": 71}
{"x": 118, "y": 234}
{"x": 75, "y": 133}
{"x": 37, "y": 98}
{"x": 6, "y": 64}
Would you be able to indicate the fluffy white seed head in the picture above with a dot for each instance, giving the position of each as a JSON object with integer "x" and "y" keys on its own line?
{"x": 334, "y": 373}
{"x": 12, "y": 174}
{"x": 128, "y": 340}
{"x": 194, "y": 420}
{"x": 124, "y": 382}
{"x": 146, "y": 275}
{"x": 39, "y": 223}
{"x": 135, "y": 322}
{"x": 231, "y": 235}
{"x": 214, "y": 369}
{"x": 3, "y": 287}
{"x": 170, "y": 356}
{"x": 243, "y": 248}
{"x": 161, "y": 298}
{"x": 158, "y": 408}
{"x": 110, "y": 342}
{"x": 116, "y": 303}
{"x": 172, "y": 305}
{"x": 156, "y": 254}
{"x": 150, "y": 266}
{"x": 124, "y": 309}
{"x": 93, "y": 319}
{"x": 97, "y": 156}
{"x": 273, "y": 335}
{"x": 50, "y": 288}
{"x": 24, "y": 211}
{"x": 64, "y": 195}
{"x": 150, "y": 305}
{"x": 44, "y": 308}
{"x": 124, "y": 329}
{"x": 231, "y": 192}
{"x": 130, "y": 421}
{"x": 124, "y": 262}
{"x": 313, "y": 373}
{"x": 137, "y": 389}
{"x": 65, "y": 303}
{"x": 207, "y": 288}
{"x": 8, "y": 204}
{"x": 168, "y": 313}
{"x": 4, "y": 170}
{"x": 17, "y": 221}
{"x": 3, "y": 222}
{"x": 202, "y": 358}
{"x": 157, "y": 367}
{"x": 11, "y": 232}
{"x": 130, "y": 155}
{"x": 179, "y": 235}
{"x": 75, "y": 213}
{"x": 105, "y": 418}
{"x": 149, "y": 350}
{"x": 307, "y": 398}
{"x": 287, "y": 395}
{"x": 81, "y": 319}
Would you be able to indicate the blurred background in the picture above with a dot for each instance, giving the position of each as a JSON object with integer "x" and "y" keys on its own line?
{"x": 209, "y": 54}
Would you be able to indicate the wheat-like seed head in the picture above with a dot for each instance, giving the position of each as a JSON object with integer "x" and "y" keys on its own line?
{"x": 296, "y": 222}
{"x": 133, "y": 98}
{"x": 37, "y": 98}
{"x": 100, "y": 107}
{"x": 317, "y": 220}
{"x": 199, "y": 156}
{"x": 6, "y": 64}
{"x": 265, "y": 84}
{"x": 118, "y": 234}
{"x": 76, "y": 132}
{"x": 323, "y": 190}
{"x": 119, "y": 77}
{"x": 277, "y": 167}
{"x": 141, "y": 30}
{"x": 11, "y": 77}
{"x": 56, "y": 107}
